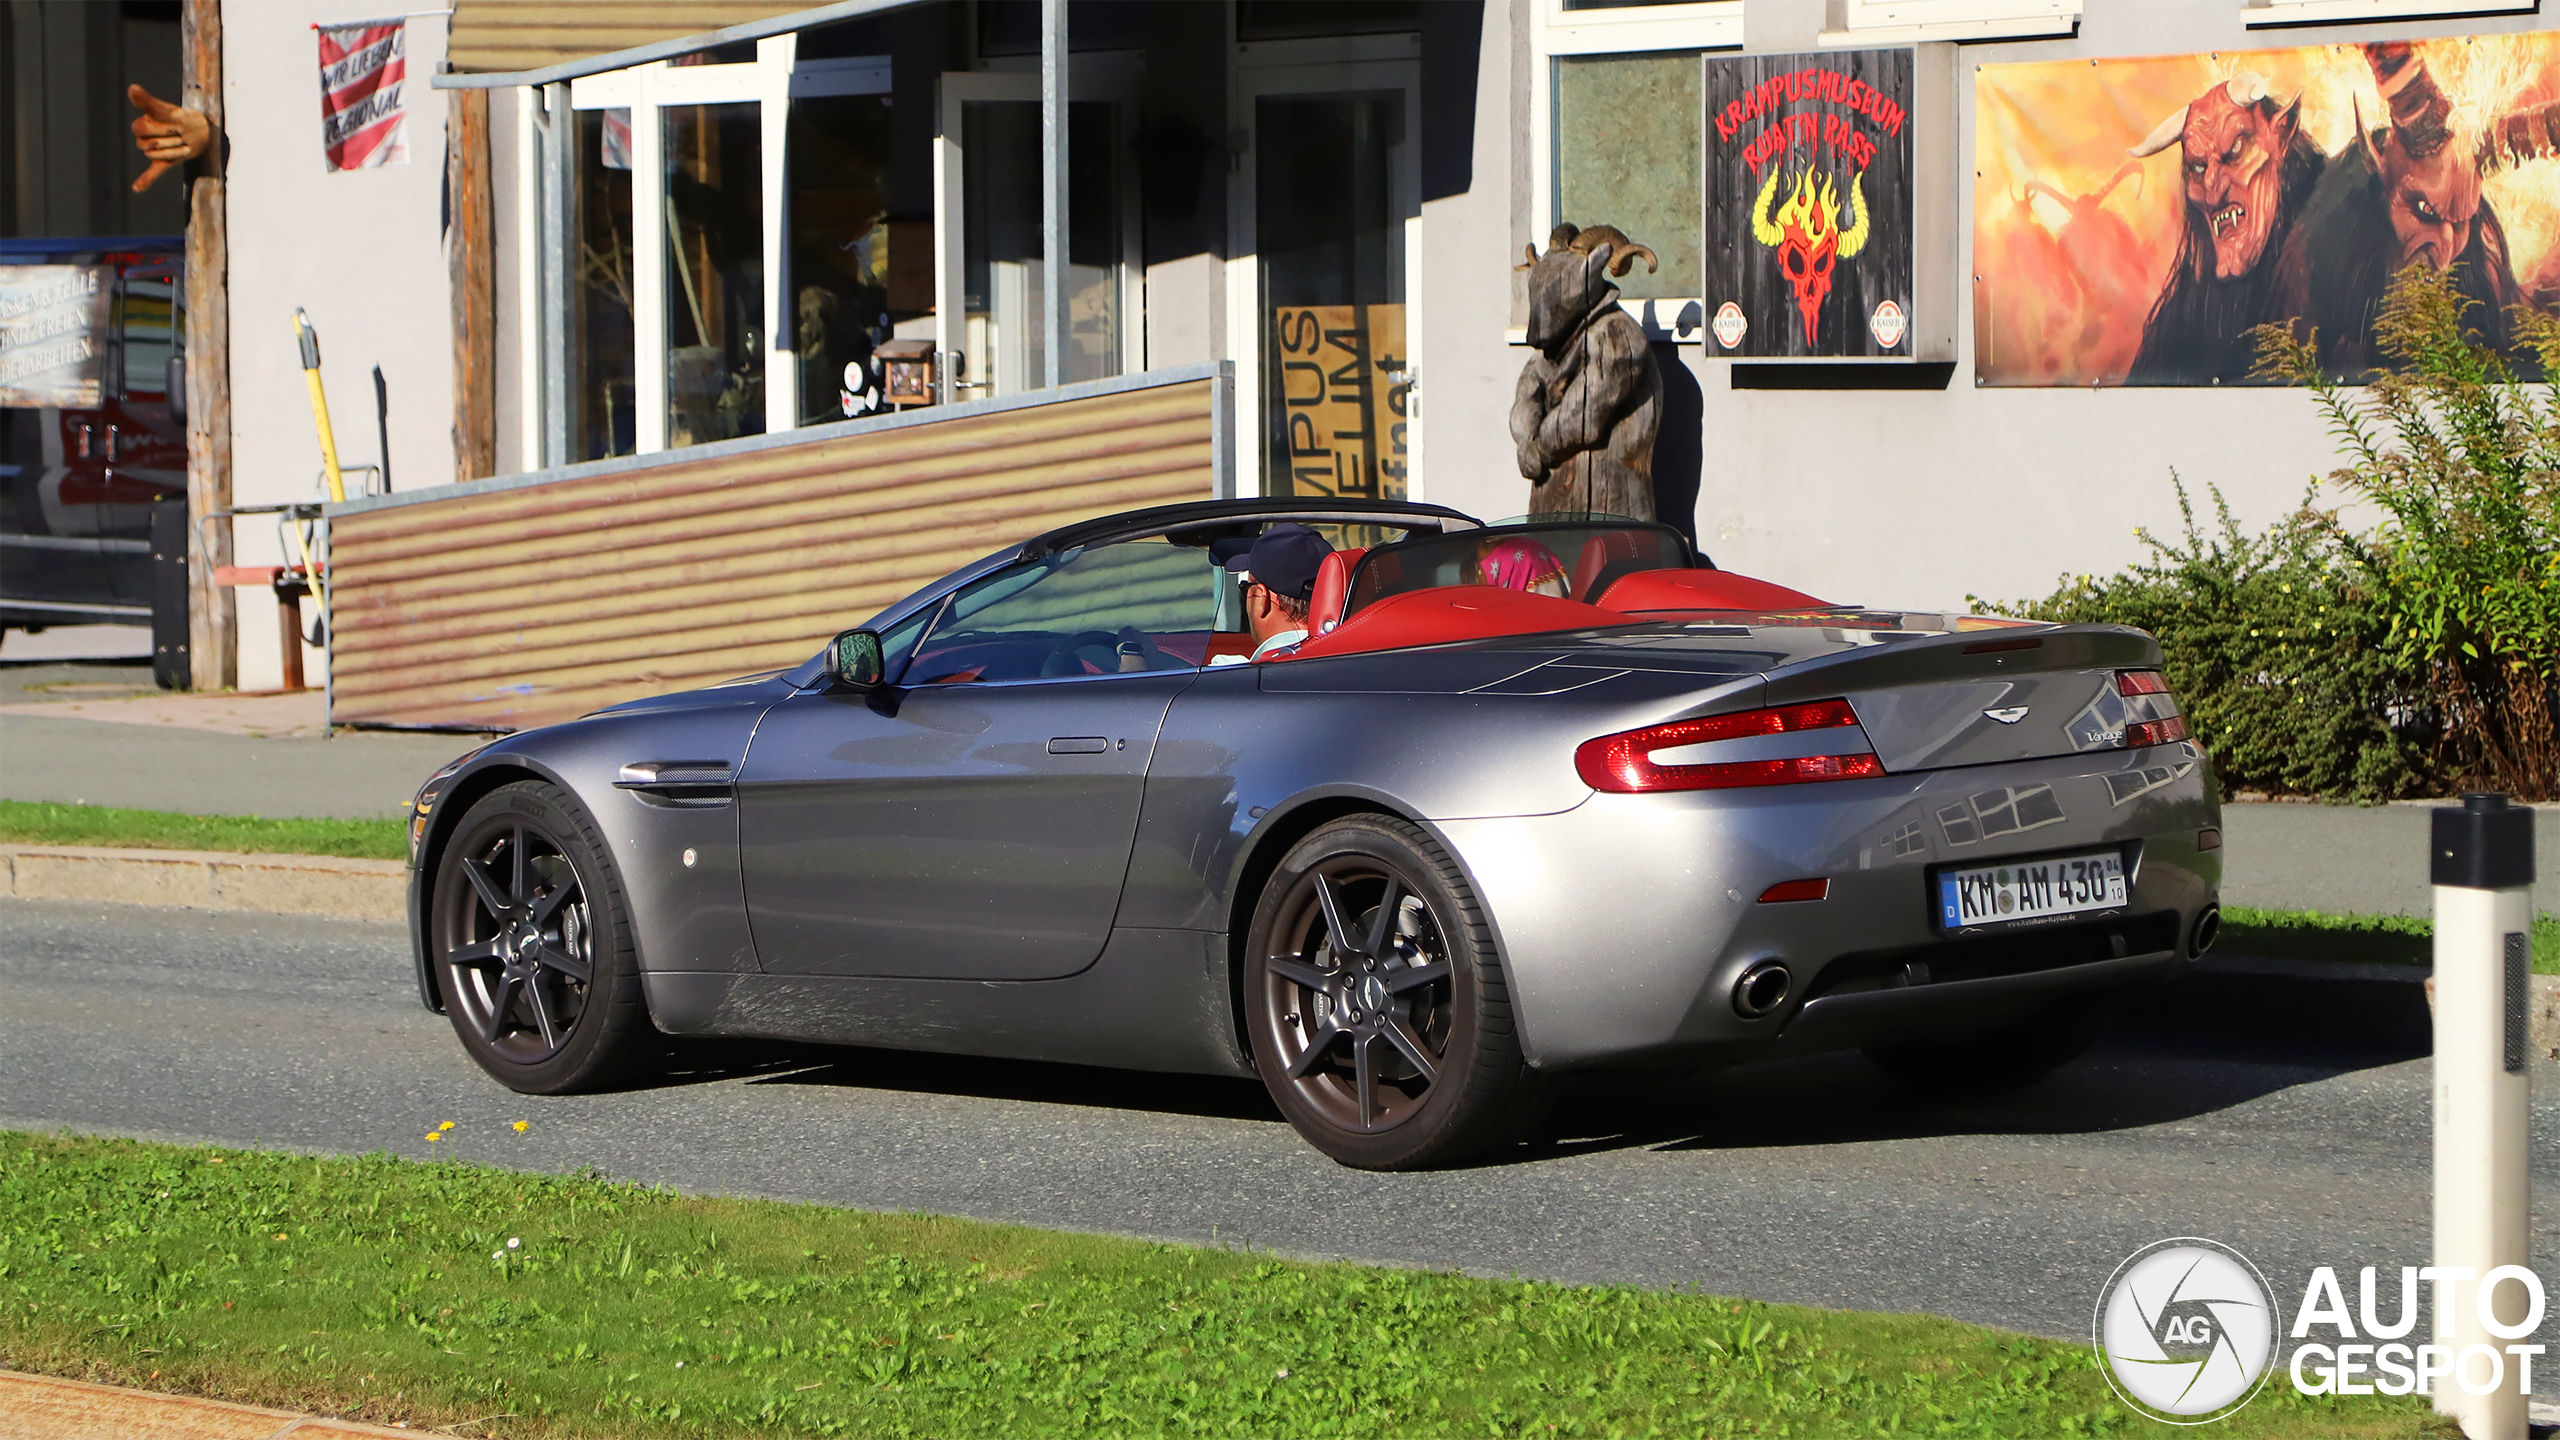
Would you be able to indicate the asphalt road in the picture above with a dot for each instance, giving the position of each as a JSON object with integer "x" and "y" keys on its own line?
{"x": 1816, "y": 1181}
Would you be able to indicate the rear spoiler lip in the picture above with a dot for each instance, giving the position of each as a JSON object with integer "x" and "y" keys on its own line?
{"x": 1946, "y": 658}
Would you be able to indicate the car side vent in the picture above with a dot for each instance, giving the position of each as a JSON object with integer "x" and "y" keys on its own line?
{"x": 681, "y": 784}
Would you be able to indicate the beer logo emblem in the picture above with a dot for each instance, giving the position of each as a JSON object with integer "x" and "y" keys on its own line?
{"x": 1888, "y": 323}
{"x": 1730, "y": 325}
{"x": 2186, "y": 1330}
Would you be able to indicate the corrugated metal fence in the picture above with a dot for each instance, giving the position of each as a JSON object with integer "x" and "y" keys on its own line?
{"x": 510, "y": 35}
{"x": 517, "y": 602}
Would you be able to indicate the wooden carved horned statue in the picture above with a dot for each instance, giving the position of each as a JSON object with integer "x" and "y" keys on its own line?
{"x": 1590, "y": 399}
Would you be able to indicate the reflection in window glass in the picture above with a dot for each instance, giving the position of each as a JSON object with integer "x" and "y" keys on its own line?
{"x": 1113, "y": 609}
{"x": 840, "y": 189}
{"x": 1001, "y": 174}
{"x": 146, "y": 319}
{"x": 1627, "y": 155}
{"x": 715, "y": 273}
{"x": 601, "y": 344}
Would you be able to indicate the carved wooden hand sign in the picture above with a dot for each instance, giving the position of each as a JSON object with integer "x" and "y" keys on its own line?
{"x": 166, "y": 134}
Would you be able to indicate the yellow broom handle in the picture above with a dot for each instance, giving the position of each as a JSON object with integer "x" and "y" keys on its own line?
{"x": 310, "y": 341}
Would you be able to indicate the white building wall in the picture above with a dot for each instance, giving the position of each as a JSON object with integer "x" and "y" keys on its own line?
{"x": 1892, "y": 497}
{"x": 362, "y": 251}
{"x": 1468, "y": 289}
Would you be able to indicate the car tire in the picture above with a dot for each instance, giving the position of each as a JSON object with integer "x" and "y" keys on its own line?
{"x": 1389, "y": 1046}
{"x": 532, "y": 945}
{"x": 2008, "y": 1057}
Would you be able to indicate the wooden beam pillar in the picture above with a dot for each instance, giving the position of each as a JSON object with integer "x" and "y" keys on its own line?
{"x": 470, "y": 260}
{"x": 212, "y": 615}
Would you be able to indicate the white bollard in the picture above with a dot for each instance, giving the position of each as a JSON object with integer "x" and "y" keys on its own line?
{"x": 2481, "y": 863}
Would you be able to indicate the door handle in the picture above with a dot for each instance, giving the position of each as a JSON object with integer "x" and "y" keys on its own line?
{"x": 1078, "y": 745}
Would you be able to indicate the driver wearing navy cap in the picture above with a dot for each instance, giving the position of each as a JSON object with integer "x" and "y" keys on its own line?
{"x": 1279, "y": 575}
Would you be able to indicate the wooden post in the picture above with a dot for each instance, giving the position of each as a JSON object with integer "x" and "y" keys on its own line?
{"x": 212, "y": 615}
{"x": 470, "y": 267}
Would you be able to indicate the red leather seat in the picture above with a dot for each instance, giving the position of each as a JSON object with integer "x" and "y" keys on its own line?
{"x": 1333, "y": 587}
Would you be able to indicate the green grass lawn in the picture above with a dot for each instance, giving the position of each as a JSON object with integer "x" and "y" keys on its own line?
{"x": 2375, "y": 939}
{"x": 540, "y": 1306}
{"x": 26, "y": 822}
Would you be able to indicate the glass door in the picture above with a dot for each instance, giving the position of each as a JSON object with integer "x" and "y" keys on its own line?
{"x": 991, "y": 262}
{"x": 1331, "y": 201}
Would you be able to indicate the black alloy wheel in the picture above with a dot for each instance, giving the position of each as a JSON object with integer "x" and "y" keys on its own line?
{"x": 533, "y": 952}
{"x": 1378, "y": 1013}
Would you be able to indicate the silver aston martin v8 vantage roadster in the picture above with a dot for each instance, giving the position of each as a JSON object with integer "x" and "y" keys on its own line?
{"x": 1529, "y": 797}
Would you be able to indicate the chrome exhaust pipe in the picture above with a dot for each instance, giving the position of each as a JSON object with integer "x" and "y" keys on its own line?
{"x": 1764, "y": 987}
{"x": 2208, "y": 929}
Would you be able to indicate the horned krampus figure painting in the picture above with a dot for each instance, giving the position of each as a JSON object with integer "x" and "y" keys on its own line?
{"x": 1590, "y": 400}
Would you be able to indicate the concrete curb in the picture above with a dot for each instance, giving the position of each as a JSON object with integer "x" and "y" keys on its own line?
{"x": 324, "y": 885}
{"x": 41, "y": 1407}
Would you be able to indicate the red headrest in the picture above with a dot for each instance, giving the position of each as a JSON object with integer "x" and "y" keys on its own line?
{"x": 1333, "y": 586}
{"x": 1598, "y": 554}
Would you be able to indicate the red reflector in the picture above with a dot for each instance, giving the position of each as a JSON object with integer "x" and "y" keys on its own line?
{"x": 1624, "y": 764}
{"x": 2208, "y": 839}
{"x": 1987, "y": 647}
{"x": 2155, "y": 732}
{"x": 1786, "y": 890}
{"x": 2141, "y": 682}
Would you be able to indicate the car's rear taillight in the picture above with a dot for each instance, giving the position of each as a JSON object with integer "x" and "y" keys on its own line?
{"x": 2153, "y": 717}
{"x": 1624, "y": 763}
{"x": 2139, "y": 733}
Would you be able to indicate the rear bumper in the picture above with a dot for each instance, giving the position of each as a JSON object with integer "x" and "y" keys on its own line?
{"x": 1626, "y": 922}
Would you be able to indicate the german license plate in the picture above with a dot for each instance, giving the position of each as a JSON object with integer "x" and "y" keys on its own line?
{"x": 2030, "y": 889}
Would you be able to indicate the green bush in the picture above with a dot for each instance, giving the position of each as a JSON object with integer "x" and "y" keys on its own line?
{"x": 2274, "y": 652}
{"x": 2464, "y": 463}
{"x": 2417, "y": 658}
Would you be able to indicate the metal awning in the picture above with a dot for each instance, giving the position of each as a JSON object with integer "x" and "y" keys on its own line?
{"x": 497, "y": 43}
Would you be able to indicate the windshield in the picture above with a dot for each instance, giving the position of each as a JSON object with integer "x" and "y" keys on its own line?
{"x": 1571, "y": 560}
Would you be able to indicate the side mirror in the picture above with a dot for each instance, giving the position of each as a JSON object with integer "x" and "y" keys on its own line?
{"x": 854, "y": 659}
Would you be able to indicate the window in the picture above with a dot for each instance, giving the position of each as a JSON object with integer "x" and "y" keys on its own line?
{"x": 840, "y": 247}
{"x": 600, "y": 354}
{"x": 1005, "y": 288}
{"x": 1616, "y": 93}
{"x": 1136, "y": 606}
{"x": 2333, "y": 12}
{"x": 728, "y": 258}
{"x": 1890, "y": 22}
{"x": 1627, "y": 154}
{"x": 1602, "y": 27}
{"x": 714, "y": 273}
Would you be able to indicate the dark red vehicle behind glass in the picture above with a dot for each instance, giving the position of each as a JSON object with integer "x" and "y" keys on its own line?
{"x": 78, "y": 486}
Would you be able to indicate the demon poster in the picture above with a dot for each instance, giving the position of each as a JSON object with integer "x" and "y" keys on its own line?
{"x": 1808, "y": 204}
{"x": 2134, "y": 219}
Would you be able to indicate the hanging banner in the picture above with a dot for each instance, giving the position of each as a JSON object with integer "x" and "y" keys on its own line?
{"x": 53, "y": 335}
{"x": 362, "y": 120}
{"x": 2134, "y": 219}
{"x": 1340, "y": 400}
{"x": 1808, "y": 205}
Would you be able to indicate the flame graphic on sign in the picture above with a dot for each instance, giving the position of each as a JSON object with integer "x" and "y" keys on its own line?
{"x": 1806, "y": 234}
